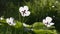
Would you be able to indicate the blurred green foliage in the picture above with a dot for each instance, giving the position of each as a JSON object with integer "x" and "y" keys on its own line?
{"x": 45, "y": 31}
{"x": 38, "y": 25}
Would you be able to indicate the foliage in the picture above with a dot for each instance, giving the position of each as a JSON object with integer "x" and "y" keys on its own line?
{"x": 38, "y": 25}
{"x": 45, "y": 31}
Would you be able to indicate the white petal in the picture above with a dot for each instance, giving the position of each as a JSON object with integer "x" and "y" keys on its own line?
{"x": 23, "y": 14}
{"x": 21, "y": 9}
{"x": 26, "y": 8}
{"x": 51, "y": 23}
{"x": 44, "y": 21}
{"x": 7, "y": 20}
{"x": 48, "y": 19}
{"x": 12, "y": 24}
{"x": 11, "y": 19}
{"x": 27, "y": 13}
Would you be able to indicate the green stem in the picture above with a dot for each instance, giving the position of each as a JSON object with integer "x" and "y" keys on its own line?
{"x": 19, "y": 16}
{"x": 27, "y": 19}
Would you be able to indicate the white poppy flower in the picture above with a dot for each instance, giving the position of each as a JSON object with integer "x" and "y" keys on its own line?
{"x": 48, "y": 19}
{"x": 47, "y": 22}
{"x": 10, "y": 21}
{"x": 1, "y": 18}
{"x": 24, "y": 11}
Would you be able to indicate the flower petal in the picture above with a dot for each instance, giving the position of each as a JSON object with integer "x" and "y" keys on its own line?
{"x": 51, "y": 23}
{"x": 21, "y": 9}
{"x": 48, "y": 19}
{"x": 11, "y": 19}
{"x": 26, "y": 8}
{"x": 44, "y": 21}
{"x": 7, "y": 20}
{"x": 23, "y": 14}
{"x": 27, "y": 13}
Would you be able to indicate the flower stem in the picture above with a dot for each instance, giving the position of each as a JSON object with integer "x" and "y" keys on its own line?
{"x": 19, "y": 16}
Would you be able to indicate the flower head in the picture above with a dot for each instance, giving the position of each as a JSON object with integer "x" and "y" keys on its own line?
{"x": 10, "y": 21}
{"x": 48, "y": 22}
{"x": 24, "y": 11}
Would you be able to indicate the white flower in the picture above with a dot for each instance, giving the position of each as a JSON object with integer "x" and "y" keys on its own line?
{"x": 25, "y": 25}
{"x": 48, "y": 22}
{"x": 10, "y": 21}
{"x": 24, "y": 11}
{"x": 1, "y": 18}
